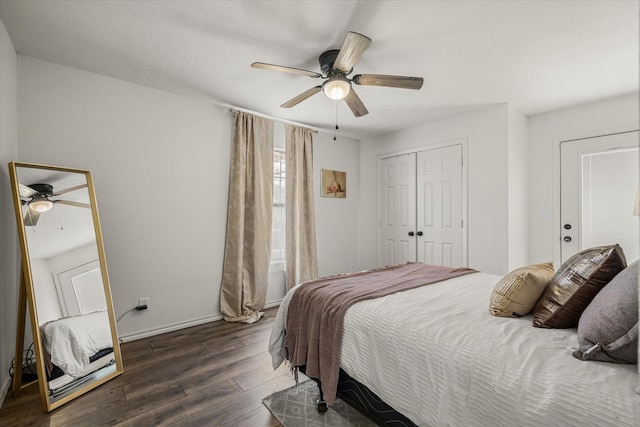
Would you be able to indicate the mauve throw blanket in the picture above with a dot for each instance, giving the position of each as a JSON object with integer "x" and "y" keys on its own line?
{"x": 316, "y": 313}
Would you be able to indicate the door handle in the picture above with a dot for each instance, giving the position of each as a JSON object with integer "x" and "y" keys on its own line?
{"x": 567, "y": 239}
{"x": 411, "y": 233}
{"x": 419, "y": 233}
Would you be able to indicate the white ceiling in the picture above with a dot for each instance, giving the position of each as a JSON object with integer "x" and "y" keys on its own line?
{"x": 537, "y": 55}
{"x": 64, "y": 227}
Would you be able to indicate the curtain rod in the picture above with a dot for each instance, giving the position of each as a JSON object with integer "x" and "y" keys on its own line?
{"x": 229, "y": 108}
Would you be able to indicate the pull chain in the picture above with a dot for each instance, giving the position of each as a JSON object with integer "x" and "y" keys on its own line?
{"x": 59, "y": 219}
{"x": 334, "y": 134}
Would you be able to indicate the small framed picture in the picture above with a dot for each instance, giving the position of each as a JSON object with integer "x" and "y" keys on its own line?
{"x": 334, "y": 184}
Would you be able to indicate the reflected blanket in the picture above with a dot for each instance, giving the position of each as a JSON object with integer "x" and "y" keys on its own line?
{"x": 316, "y": 313}
{"x": 71, "y": 341}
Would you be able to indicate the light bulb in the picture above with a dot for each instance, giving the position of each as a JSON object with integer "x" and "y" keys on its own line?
{"x": 41, "y": 205}
{"x": 336, "y": 88}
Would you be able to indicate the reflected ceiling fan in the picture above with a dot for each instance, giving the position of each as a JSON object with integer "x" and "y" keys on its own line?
{"x": 336, "y": 65}
{"x": 38, "y": 198}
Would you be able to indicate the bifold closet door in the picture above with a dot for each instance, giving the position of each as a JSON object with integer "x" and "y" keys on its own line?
{"x": 397, "y": 209}
{"x": 439, "y": 206}
{"x": 420, "y": 207}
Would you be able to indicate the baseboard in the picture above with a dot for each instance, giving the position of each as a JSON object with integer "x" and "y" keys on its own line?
{"x": 169, "y": 328}
{"x": 273, "y": 303}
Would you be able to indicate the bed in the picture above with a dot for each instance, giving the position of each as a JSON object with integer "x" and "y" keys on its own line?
{"x": 76, "y": 347}
{"x": 434, "y": 355}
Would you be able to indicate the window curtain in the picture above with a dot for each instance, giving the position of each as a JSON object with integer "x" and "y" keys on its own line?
{"x": 248, "y": 244}
{"x": 302, "y": 257}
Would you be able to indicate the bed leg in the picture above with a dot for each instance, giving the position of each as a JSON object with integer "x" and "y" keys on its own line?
{"x": 321, "y": 404}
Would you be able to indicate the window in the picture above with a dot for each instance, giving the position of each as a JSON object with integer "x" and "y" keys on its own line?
{"x": 278, "y": 231}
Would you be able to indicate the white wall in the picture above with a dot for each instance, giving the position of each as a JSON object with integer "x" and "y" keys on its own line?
{"x": 518, "y": 200}
{"x": 74, "y": 258}
{"x": 44, "y": 288}
{"x": 486, "y": 131}
{"x": 160, "y": 163}
{"x": 336, "y": 219}
{"x": 545, "y": 133}
{"x": 9, "y": 261}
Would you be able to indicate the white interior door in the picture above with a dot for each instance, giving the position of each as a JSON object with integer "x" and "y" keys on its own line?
{"x": 439, "y": 204}
{"x": 420, "y": 207}
{"x": 599, "y": 186}
{"x": 397, "y": 209}
{"x": 80, "y": 289}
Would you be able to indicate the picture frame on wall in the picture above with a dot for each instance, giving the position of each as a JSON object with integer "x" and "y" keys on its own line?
{"x": 334, "y": 184}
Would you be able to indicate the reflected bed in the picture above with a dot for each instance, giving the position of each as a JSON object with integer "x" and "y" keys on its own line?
{"x": 77, "y": 346}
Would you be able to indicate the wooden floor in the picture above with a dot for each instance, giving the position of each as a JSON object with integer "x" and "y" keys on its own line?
{"x": 209, "y": 375}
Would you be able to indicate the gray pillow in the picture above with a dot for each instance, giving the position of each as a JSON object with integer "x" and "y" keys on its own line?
{"x": 608, "y": 327}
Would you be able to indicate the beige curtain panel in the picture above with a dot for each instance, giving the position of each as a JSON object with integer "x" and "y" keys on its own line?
{"x": 302, "y": 257}
{"x": 248, "y": 245}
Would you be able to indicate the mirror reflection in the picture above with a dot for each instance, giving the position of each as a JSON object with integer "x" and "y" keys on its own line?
{"x": 69, "y": 300}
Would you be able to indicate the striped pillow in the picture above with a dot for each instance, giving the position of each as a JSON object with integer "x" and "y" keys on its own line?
{"x": 517, "y": 293}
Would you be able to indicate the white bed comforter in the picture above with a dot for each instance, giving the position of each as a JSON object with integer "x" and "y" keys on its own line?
{"x": 436, "y": 355}
{"x": 71, "y": 341}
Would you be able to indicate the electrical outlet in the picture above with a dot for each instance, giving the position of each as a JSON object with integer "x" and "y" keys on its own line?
{"x": 144, "y": 301}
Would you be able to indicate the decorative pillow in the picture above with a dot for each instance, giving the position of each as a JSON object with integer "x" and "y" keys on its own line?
{"x": 516, "y": 293}
{"x": 575, "y": 284}
{"x": 608, "y": 328}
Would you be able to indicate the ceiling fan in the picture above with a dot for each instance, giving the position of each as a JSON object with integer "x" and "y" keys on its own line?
{"x": 336, "y": 65}
{"x": 38, "y": 199}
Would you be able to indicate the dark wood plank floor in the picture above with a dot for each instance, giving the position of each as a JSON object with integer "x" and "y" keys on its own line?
{"x": 209, "y": 375}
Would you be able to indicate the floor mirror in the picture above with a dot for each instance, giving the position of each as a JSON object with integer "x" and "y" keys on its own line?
{"x": 64, "y": 285}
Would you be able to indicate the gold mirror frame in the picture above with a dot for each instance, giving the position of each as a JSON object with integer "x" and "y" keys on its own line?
{"x": 27, "y": 297}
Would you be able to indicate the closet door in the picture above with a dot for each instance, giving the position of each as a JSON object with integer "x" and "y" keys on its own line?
{"x": 439, "y": 206}
{"x": 397, "y": 209}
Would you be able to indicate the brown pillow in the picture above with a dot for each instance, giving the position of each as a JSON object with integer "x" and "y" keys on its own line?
{"x": 575, "y": 284}
{"x": 608, "y": 328}
{"x": 516, "y": 293}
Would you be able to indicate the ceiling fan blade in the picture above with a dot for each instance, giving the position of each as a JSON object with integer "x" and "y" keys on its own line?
{"x": 31, "y": 218}
{"x": 403, "y": 82}
{"x": 70, "y": 203}
{"x": 355, "y": 104}
{"x": 291, "y": 70}
{"x": 26, "y": 191}
{"x": 67, "y": 190}
{"x": 352, "y": 49}
{"x": 304, "y": 95}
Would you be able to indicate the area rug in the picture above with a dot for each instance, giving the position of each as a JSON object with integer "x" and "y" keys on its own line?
{"x": 296, "y": 407}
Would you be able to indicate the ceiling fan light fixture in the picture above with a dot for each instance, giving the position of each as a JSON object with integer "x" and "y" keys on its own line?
{"x": 41, "y": 205}
{"x": 336, "y": 88}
